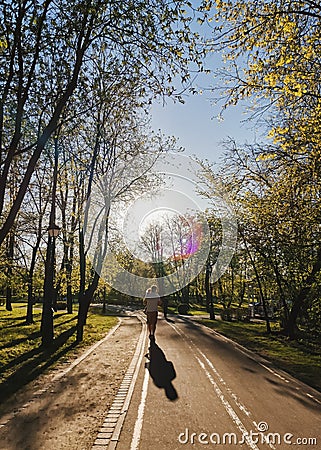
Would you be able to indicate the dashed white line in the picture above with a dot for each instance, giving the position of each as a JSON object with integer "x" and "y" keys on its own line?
{"x": 227, "y": 406}
{"x": 234, "y": 396}
{"x": 274, "y": 373}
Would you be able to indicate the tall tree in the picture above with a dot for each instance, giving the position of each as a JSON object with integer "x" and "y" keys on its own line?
{"x": 49, "y": 50}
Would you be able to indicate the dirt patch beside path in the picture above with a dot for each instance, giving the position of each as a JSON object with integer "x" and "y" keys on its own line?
{"x": 69, "y": 414}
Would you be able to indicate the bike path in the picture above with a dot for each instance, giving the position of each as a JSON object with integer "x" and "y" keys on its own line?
{"x": 201, "y": 390}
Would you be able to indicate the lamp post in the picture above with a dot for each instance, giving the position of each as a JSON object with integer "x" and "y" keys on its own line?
{"x": 53, "y": 231}
{"x": 47, "y": 327}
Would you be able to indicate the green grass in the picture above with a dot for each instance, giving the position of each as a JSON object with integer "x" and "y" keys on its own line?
{"x": 301, "y": 358}
{"x": 197, "y": 310}
{"x": 22, "y": 358}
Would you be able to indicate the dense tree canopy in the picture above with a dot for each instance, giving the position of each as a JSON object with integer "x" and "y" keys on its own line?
{"x": 272, "y": 58}
{"x": 78, "y": 77}
{"x": 51, "y": 51}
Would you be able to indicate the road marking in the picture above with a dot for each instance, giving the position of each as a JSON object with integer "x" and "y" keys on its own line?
{"x": 140, "y": 416}
{"x": 274, "y": 373}
{"x": 238, "y": 403}
{"x": 234, "y": 396}
{"x": 227, "y": 406}
{"x": 258, "y": 359}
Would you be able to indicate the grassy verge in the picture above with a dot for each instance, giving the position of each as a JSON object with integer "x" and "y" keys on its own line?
{"x": 301, "y": 358}
{"x": 21, "y": 357}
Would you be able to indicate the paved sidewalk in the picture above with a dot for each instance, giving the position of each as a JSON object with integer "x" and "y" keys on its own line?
{"x": 110, "y": 431}
{"x": 65, "y": 409}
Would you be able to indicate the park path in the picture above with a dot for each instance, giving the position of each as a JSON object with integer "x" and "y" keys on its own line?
{"x": 191, "y": 389}
{"x": 221, "y": 393}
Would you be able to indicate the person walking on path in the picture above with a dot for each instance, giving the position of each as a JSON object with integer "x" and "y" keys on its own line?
{"x": 152, "y": 301}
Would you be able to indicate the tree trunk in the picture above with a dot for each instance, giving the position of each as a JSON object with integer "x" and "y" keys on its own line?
{"x": 242, "y": 294}
{"x": 83, "y": 39}
{"x": 84, "y": 302}
{"x": 47, "y": 327}
{"x": 285, "y": 317}
{"x": 82, "y": 264}
{"x": 208, "y": 292}
{"x": 29, "y": 316}
{"x": 70, "y": 260}
{"x": 9, "y": 298}
{"x": 10, "y": 252}
{"x": 185, "y": 294}
{"x": 291, "y": 326}
{"x": 69, "y": 299}
{"x": 104, "y": 300}
{"x": 265, "y": 309}
{"x": 221, "y": 292}
{"x": 199, "y": 297}
{"x": 278, "y": 278}
{"x": 267, "y": 320}
{"x": 86, "y": 296}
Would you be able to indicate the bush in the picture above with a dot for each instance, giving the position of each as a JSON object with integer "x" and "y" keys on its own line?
{"x": 183, "y": 308}
{"x": 238, "y": 314}
{"x": 226, "y": 314}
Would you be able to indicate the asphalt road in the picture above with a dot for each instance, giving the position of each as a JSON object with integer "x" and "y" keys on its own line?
{"x": 200, "y": 390}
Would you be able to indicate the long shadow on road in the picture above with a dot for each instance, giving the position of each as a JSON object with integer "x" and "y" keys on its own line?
{"x": 161, "y": 371}
{"x": 250, "y": 364}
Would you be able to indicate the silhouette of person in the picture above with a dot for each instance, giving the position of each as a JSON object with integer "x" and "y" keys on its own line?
{"x": 152, "y": 301}
{"x": 162, "y": 371}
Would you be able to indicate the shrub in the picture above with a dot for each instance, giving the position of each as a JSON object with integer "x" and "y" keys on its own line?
{"x": 183, "y": 308}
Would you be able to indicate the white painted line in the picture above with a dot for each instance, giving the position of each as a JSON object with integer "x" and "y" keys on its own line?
{"x": 140, "y": 416}
{"x": 260, "y": 360}
{"x": 274, "y": 373}
{"x": 315, "y": 399}
{"x": 237, "y": 401}
{"x": 227, "y": 406}
{"x": 234, "y": 396}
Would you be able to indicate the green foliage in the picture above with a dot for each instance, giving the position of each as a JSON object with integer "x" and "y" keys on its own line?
{"x": 279, "y": 42}
{"x": 272, "y": 57}
{"x": 183, "y": 308}
{"x": 79, "y": 76}
{"x": 312, "y": 318}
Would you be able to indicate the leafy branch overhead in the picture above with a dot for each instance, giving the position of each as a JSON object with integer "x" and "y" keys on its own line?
{"x": 50, "y": 50}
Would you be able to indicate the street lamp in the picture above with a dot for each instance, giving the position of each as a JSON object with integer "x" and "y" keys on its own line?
{"x": 53, "y": 230}
{"x": 47, "y": 326}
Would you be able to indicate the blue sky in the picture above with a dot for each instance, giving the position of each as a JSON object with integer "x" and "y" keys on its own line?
{"x": 195, "y": 123}
{"x": 197, "y": 128}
